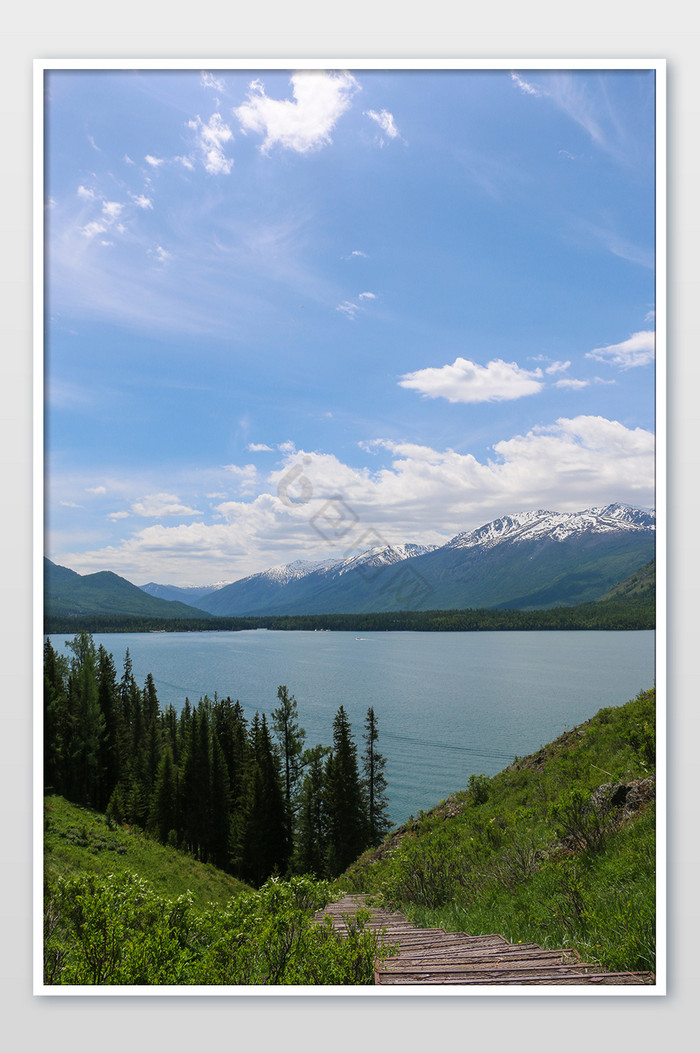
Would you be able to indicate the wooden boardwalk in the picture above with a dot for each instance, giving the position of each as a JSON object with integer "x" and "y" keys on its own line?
{"x": 434, "y": 956}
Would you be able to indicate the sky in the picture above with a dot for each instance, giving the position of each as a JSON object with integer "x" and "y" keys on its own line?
{"x": 297, "y": 314}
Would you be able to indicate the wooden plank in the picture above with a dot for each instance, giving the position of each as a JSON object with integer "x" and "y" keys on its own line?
{"x": 434, "y": 956}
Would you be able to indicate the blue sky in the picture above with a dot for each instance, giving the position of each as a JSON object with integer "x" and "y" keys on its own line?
{"x": 290, "y": 315}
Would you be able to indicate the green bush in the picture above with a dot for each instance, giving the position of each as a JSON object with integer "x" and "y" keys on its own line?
{"x": 119, "y": 931}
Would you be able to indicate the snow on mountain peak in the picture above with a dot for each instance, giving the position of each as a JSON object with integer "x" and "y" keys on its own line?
{"x": 529, "y": 526}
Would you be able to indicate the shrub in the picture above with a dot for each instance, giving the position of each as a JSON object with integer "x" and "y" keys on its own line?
{"x": 479, "y": 787}
{"x": 119, "y": 931}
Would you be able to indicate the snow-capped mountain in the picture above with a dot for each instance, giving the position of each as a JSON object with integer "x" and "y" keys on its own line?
{"x": 557, "y": 526}
{"x": 283, "y": 573}
{"x": 525, "y": 560}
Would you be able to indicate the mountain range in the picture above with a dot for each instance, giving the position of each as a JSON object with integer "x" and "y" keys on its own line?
{"x": 530, "y": 560}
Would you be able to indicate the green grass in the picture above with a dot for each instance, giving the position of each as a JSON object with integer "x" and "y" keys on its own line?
{"x": 78, "y": 841}
{"x": 525, "y": 855}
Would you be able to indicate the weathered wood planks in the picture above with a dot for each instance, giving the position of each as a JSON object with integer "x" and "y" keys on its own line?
{"x": 434, "y": 956}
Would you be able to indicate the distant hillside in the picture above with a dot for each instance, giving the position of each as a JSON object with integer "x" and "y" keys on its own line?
{"x": 188, "y": 594}
{"x": 629, "y": 605}
{"x": 71, "y": 595}
{"x": 640, "y": 586}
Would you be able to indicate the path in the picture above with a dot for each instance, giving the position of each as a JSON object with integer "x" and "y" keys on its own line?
{"x": 434, "y": 956}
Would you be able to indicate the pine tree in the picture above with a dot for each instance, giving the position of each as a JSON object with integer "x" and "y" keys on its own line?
{"x": 265, "y": 847}
{"x": 373, "y": 764}
{"x": 163, "y": 810}
{"x": 345, "y": 805}
{"x": 56, "y": 721}
{"x": 220, "y": 818}
{"x": 290, "y": 736}
{"x": 195, "y": 784}
{"x": 232, "y": 732}
{"x": 311, "y": 847}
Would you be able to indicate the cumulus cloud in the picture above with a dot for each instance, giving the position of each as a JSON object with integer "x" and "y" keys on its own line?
{"x": 112, "y": 209}
{"x": 142, "y": 201}
{"x": 367, "y": 296}
{"x": 258, "y": 447}
{"x": 86, "y": 192}
{"x": 247, "y": 475}
{"x": 419, "y": 493}
{"x": 306, "y": 123}
{"x": 466, "y": 381}
{"x": 211, "y": 138}
{"x": 154, "y": 162}
{"x": 638, "y": 350}
{"x": 160, "y": 505}
{"x": 96, "y": 490}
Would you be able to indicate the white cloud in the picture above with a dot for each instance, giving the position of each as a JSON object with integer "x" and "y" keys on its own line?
{"x": 570, "y": 382}
{"x": 114, "y": 516}
{"x": 142, "y": 201}
{"x": 157, "y": 505}
{"x": 208, "y": 80}
{"x": 557, "y": 367}
{"x": 421, "y": 493}
{"x": 112, "y": 209}
{"x": 358, "y": 252}
{"x": 306, "y": 123}
{"x": 160, "y": 254}
{"x": 385, "y": 120}
{"x": 211, "y": 139}
{"x": 154, "y": 162}
{"x": 349, "y": 309}
{"x": 96, "y": 490}
{"x": 466, "y": 381}
{"x": 638, "y": 350}
{"x": 526, "y": 87}
{"x": 258, "y": 447}
{"x": 86, "y": 192}
{"x": 93, "y": 228}
{"x": 247, "y": 475}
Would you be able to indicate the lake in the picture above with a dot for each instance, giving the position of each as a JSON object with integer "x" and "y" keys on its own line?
{"x": 447, "y": 704}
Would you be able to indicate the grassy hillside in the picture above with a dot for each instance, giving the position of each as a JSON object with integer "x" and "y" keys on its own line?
{"x": 72, "y": 595}
{"x": 78, "y": 841}
{"x": 120, "y": 909}
{"x": 557, "y": 849}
